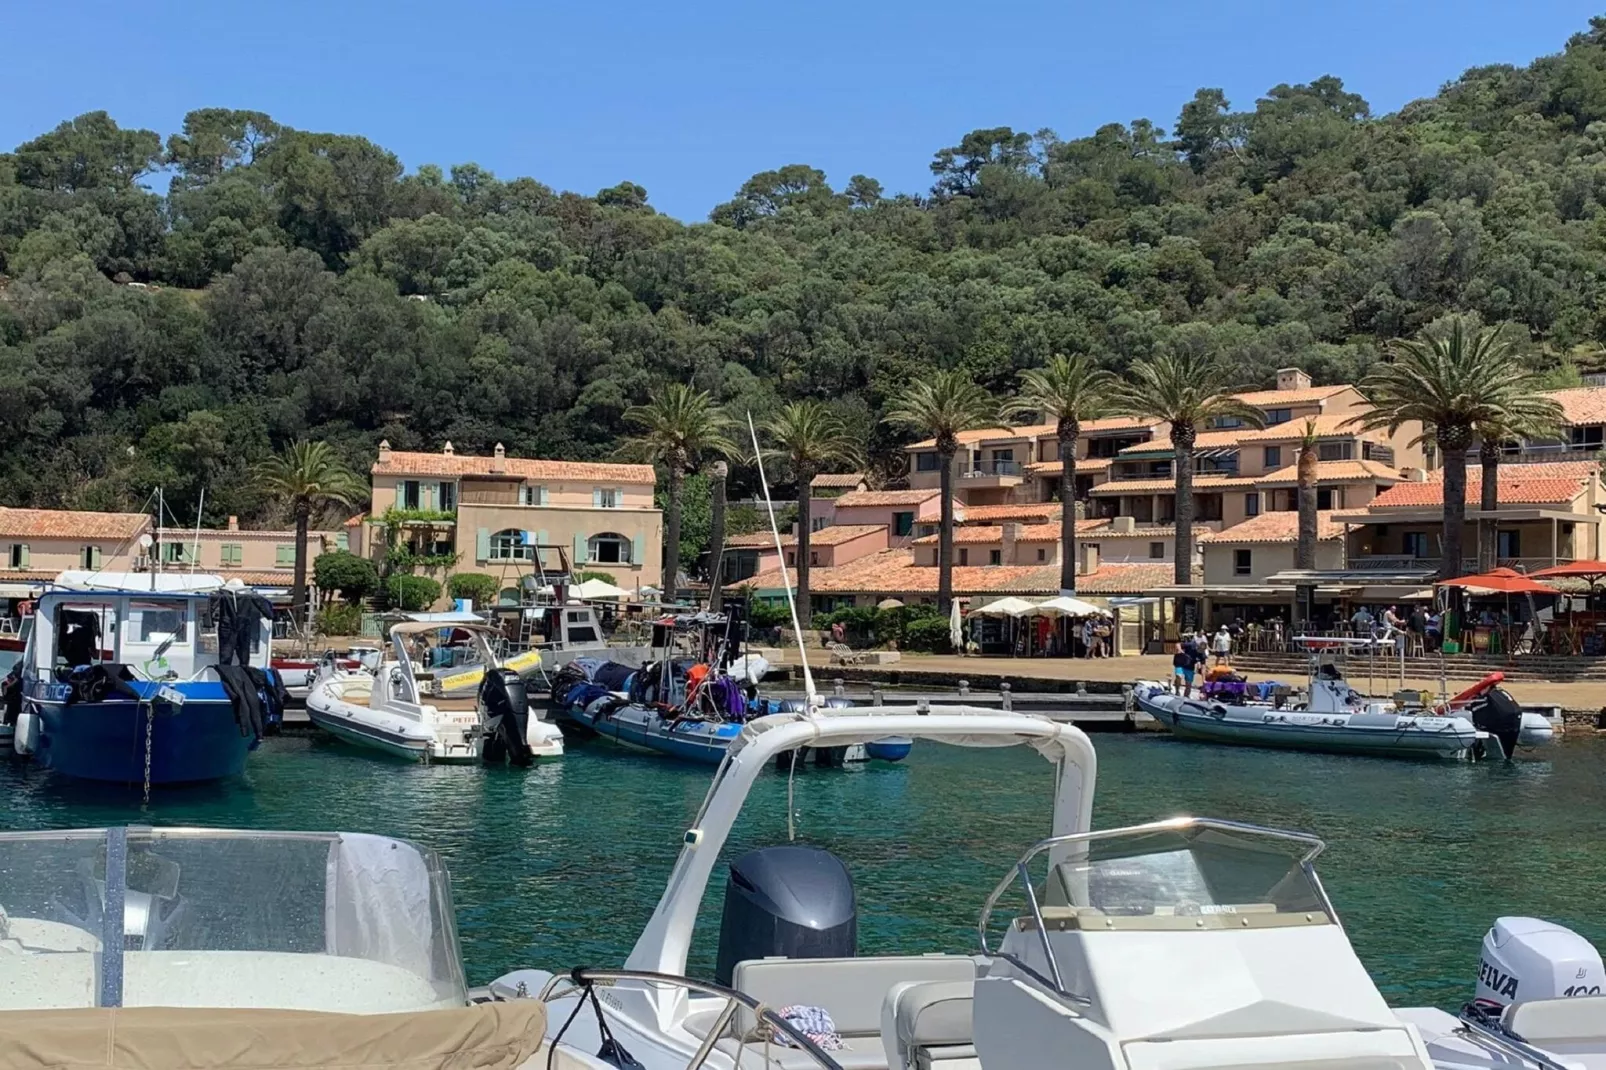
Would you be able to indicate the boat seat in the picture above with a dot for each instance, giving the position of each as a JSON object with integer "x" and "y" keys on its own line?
{"x": 486, "y": 1036}
{"x": 927, "y": 1026}
{"x": 1557, "y": 1021}
{"x": 852, "y": 991}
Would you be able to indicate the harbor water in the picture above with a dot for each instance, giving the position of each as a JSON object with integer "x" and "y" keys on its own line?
{"x": 561, "y": 865}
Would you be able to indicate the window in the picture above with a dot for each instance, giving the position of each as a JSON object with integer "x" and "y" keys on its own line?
{"x": 1588, "y": 438}
{"x": 231, "y": 553}
{"x": 1324, "y": 498}
{"x": 19, "y": 555}
{"x": 156, "y": 625}
{"x": 818, "y": 523}
{"x": 1156, "y": 551}
{"x": 1274, "y": 457}
{"x": 1415, "y": 543}
{"x": 814, "y": 558}
{"x": 964, "y": 555}
{"x": 89, "y": 557}
{"x": 1242, "y": 563}
{"x": 342, "y": 541}
{"x": 447, "y": 501}
{"x": 1227, "y": 421}
{"x": 605, "y": 498}
{"x": 511, "y": 545}
{"x": 1335, "y": 451}
{"x": 1278, "y": 416}
{"x": 995, "y": 557}
{"x": 1508, "y": 544}
{"x": 284, "y": 556}
{"x": 532, "y": 495}
{"x": 903, "y": 523}
{"x": 926, "y": 462}
{"x": 609, "y": 548}
{"x": 1042, "y": 554}
{"x": 178, "y": 553}
{"x": 409, "y": 494}
{"x": 791, "y": 559}
{"x": 1252, "y": 504}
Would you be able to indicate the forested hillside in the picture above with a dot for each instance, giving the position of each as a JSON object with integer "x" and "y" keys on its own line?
{"x": 306, "y": 284}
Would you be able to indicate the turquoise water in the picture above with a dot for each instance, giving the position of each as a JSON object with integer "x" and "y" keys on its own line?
{"x": 561, "y": 865}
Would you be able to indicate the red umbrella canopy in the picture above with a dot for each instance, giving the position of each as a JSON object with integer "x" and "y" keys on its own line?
{"x": 1584, "y": 570}
{"x": 1499, "y": 581}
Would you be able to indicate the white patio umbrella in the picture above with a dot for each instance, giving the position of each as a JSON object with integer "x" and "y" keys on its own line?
{"x": 1004, "y": 607}
{"x": 1066, "y": 606}
{"x": 956, "y": 629}
{"x": 598, "y": 589}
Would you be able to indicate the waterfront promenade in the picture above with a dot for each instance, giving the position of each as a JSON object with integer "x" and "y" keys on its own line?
{"x": 1577, "y": 696}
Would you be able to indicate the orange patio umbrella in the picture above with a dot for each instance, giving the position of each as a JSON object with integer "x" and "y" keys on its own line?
{"x": 1583, "y": 570}
{"x": 1499, "y": 581}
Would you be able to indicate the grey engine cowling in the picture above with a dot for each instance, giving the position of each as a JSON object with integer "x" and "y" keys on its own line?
{"x": 791, "y": 901}
{"x": 1526, "y": 959}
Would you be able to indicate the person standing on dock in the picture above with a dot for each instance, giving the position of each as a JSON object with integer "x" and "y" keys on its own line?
{"x": 1223, "y": 646}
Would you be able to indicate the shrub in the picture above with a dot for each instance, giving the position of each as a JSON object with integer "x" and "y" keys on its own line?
{"x": 605, "y": 577}
{"x": 928, "y": 635}
{"x": 477, "y": 586}
{"x": 768, "y": 614}
{"x": 412, "y": 593}
{"x": 339, "y": 618}
{"x": 352, "y": 576}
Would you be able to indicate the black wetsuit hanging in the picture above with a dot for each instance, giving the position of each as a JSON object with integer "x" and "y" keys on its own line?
{"x": 237, "y": 610}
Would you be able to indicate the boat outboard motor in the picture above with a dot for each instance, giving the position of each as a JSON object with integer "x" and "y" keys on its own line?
{"x": 506, "y": 708}
{"x": 1526, "y": 959}
{"x": 1498, "y": 714}
{"x": 789, "y": 901}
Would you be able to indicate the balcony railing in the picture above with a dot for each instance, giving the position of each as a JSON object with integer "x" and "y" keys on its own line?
{"x": 1469, "y": 565}
{"x": 982, "y": 469}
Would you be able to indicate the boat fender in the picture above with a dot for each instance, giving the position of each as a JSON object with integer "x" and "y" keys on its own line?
{"x": 1526, "y": 959}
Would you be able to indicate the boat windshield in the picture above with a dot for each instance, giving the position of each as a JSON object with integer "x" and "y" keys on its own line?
{"x": 218, "y": 918}
{"x": 1189, "y": 875}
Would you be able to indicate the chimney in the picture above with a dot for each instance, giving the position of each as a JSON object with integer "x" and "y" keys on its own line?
{"x": 1292, "y": 379}
{"x": 1081, "y": 509}
{"x": 234, "y": 523}
{"x": 384, "y": 451}
{"x": 1124, "y": 525}
{"x": 498, "y": 460}
{"x": 1011, "y": 535}
{"x": 1087, "y": 558}
{"x": 1414, "y": 475}
{"x": 449, "y": 451}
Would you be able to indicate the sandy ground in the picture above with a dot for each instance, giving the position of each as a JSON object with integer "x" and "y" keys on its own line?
{"x": 1574, "y": 696}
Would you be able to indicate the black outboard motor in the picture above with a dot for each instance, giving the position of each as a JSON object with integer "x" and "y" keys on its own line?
{"x": 507, "y": 715}
{"x": 1498, "y": 714}
{"x": 791, "y": 901}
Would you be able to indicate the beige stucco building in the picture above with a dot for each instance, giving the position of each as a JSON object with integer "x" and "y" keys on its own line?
{"x": 509, "y": 517}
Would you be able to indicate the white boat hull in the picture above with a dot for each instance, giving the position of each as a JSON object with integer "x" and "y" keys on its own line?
{"x": 1388, "y": 735}
{"x": 386, "y": 731}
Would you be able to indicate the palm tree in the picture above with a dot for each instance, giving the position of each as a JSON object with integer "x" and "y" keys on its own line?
{"x": 310, "y": 477}
{"x": 1455, "y": 381}
{"x": 678, "y": 427}
{"x": 1067, "y": 391}
{"x": 1185, "y": 388}
{"x": 1305, "y": 546}
{"x": 718, "y": 473}
{"x": 944, "y": 406}
{"x": 808, "y": 436}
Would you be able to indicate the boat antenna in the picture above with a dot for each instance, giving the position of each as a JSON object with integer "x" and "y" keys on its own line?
{"x": 195, "y": 553}
{"x": 786, "y": 578}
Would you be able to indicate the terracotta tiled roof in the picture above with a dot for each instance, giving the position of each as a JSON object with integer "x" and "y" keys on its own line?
{"x": 1098, "y": 528}
{"x": 1276, "y": 399}
{"x": 1526, "y": 484}
{"x": 1119, "y": 423}
{"x": 188, "y": 534}
{"x": 1581, "y": 404}
{"x": 988, "y": 434}
{"x": 1085, "y": 464}
{"x": 834, "y": 535}
{"x": 984, "y": 514}
{"x": 837, "y": 479}
{"x": 1160, "y": 486}
{"x": 1205, "y": 440}
{"x": 1105, "y": 529}
{"x": 397, "y": 463}
{"x": 756, "y": 540}
{"x": 1274, "y": 527}
{"x": 70, "y": 524}
{"x": 27, "y": 575}
{"x": 1129, "y": 579}
{"x": 866, "y": 498}
{"x": 356, "y": 521}
{"x": 270, "y": 578}
{"x": 1333, "y": 472}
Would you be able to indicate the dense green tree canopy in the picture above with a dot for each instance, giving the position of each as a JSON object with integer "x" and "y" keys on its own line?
{"x": 299, "y": 285}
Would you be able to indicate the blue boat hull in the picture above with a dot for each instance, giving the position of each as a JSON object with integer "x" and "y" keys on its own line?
{"x": 704, "y": 742}
{"x": 198, "y": 740}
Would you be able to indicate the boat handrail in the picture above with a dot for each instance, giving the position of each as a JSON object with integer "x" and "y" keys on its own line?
{"x": 586, "y": 977}
{"x": 1020, "y": 872}
{"x": 1485, "y": 1029}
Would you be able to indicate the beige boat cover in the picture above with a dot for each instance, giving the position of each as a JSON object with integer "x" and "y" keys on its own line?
{"x": 486, "y": 1036}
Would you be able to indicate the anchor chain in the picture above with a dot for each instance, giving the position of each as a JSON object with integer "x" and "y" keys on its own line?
{"x": 150, "y": 725}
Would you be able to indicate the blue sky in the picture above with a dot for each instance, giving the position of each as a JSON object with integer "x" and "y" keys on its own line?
{"x": 690, "y": 99}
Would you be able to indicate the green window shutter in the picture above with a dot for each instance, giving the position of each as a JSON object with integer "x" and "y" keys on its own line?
{"x": 482, "y": 546}
{"x": 94, "y": 557}
{"x": 426, "y": 496}
{"x": 342, "y": 541}
{"x": 638, "y": 550}
{"x": 540, "y": 540}
{"x": 579, "y": 549}
{"x": 284, "y": 555}
{"x": 26, "y": 560}
{"x": 596, "y": 498}
{"x": 540, "y": 496}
